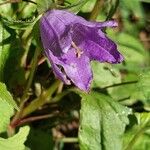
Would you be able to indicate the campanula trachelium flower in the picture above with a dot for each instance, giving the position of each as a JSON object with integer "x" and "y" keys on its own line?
{"x": 70, "y": 43}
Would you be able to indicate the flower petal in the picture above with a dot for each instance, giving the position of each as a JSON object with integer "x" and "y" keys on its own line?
{"x": 99, "y": 53}
{"x": 78, "y": 70}
{"x": 57, "y": 71}
{"x": 95, "y": 44}
{"x": 68, "y": 18}
{"x": 103, "y": 49}
{"x": 54, "y": 34}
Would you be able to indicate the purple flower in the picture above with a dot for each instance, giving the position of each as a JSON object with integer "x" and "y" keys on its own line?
{"x": 71, "y": 42}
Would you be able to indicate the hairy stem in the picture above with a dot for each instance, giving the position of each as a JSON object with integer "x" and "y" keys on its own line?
{"x": 68, "y": 140}
{"x": 44, "y": 98}
{"x": 35, "y": 118}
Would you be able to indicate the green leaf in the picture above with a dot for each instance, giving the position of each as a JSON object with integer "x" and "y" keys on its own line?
{"x": 143, "y": 84}
{"x": 6, "y": 111}
{"x": 11, "y": 51}
{"x": 130, "y": 49}
{"x": 75, "y": 6}
{"x": 134, "y": 52}
{"x": 142, "y": 90}
{"x": 88, "y": 6}
{"x": 18, "y": 24}
{"x": 104, "y": 75}
{"x": 125, "y": 40}
{"x": 6, "y": 96}
{"x": 27, "y": 10}
{"x": 44, "y": 5}
{"x": 132, "y": 9}
{"x": 138, "y": 137}
{"x": 16, "y": 142}
{"x": 5, "y": 9}
{"x": 3, "y": 50}
{"x": 132, "y": 6}
{"x": 6, "y": 107}
{"x": 125, "y": 90}
{"x": 102, "y": 122}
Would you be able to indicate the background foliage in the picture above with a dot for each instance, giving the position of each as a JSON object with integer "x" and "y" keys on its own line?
{"x": 38, "y": 112}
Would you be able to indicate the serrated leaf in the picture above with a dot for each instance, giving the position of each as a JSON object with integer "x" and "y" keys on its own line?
{"x": 102, "y": 122}
{"x": 6, "y": 111}
{"x": 16, "y": 142}
{"x": 6, "y": 96}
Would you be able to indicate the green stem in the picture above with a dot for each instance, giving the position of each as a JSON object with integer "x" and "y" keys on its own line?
{"x": 112, "y": 9}
{"x": 36, "y": 118}
{"x": 59, "y": 96}
{"x": 41, "y": 100}
{"x": 120, "y": 84}
{"x": 68, "y": 140}
{"x": 96, "y": 10}
{"x": 26, "y": 42}
{"x": 135, "y": 138}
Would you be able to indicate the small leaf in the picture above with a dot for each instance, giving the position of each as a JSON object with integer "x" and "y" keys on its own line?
{"x": 6, "y": 96}
{"x": 16, "y": 142}
{"x": 102, "y": 123}
{"x": 6, "y": 111}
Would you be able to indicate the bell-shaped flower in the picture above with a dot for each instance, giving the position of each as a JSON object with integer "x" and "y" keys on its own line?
{"x": 70, "y": 43}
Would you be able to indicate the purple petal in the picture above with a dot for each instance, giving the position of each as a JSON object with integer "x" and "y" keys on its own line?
{"x": 71, "y": 42}
{"x": 110, "y": 23}
{"x": 78, "y": 70}
{"x": 57, "y": 70}
{"x": 99, "y": 53}
{"x": 68, "y": 18}
{"x": 95, "y": 44}
{"x": 54, "y": 35}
